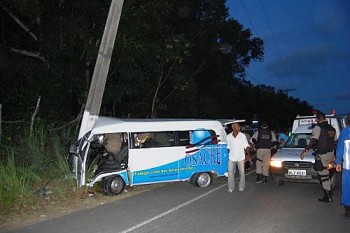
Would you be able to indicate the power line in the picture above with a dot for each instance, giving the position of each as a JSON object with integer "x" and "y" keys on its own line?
{"x": 273, "y": 37}
{"x": 259, "y": 83}
{"x": 250, "y": 21}
{"x": 278, "y": 77}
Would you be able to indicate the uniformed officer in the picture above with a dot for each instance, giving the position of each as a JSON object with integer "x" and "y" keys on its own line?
{"x": 264, "y": 139}
{"x": 343, "y": 164}
{"x": 323, "y": 142}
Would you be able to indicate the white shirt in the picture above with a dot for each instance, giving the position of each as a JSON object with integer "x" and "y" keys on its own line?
{"x": 236, "y": 145}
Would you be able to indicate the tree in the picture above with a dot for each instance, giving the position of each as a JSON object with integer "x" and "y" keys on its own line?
{"x": 183, "y": 58}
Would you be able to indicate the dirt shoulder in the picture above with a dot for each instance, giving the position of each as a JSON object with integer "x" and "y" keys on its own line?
{"x": 51, "y": 207}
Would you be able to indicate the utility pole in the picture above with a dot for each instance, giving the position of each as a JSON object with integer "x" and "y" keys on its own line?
{"x": 98, "y": 82}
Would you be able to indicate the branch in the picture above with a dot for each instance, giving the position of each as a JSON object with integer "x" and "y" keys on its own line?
{"x": 166, "y": 97}
{"x": 27, "y": 53}
{"x": 18, "y": 21}
{"x": 169, "y": 71}
{"x": 200, "y": 68}
{"x": 12, "y": 122}
{"x": 34, "y": 114}
{"x": 160, "y": 76}
{"x": 69, "y": 123}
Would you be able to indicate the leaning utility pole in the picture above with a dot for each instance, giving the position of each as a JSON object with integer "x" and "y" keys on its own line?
{"x": 98, "y": 82}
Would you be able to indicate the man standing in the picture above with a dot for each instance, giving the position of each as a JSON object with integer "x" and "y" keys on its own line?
{"x": 343, "y": 156}
{"x": 323, "y": 142}
{"x": 264, "y": 139}
{"x": 236, "y": 144}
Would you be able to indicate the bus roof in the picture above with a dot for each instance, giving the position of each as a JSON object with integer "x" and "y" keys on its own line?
{"x": 112, "y": 125}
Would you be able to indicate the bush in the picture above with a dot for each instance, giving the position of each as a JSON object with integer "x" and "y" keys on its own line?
{"x": 15, "y": 182}
{"x": 35, "y": 161}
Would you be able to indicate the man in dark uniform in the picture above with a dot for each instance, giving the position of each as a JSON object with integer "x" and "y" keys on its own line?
{"x": 323, "y": 142}
{"x": 264, "y": 139}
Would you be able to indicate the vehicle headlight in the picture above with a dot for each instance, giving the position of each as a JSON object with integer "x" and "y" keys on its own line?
{"x": 274, "y": 163}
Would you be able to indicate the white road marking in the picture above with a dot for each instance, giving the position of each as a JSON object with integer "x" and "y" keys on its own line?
{"x": 175, "y": 208}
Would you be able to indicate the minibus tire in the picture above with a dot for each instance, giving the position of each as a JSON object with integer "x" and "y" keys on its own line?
{"x": 113, "y": 185}
{"x": 193, "y": 180}
{"x": 204, "y": 179}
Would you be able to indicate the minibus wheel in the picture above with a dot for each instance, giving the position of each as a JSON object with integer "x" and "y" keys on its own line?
{"x": 193, "y": 180}
{"x": 113, "y": 185}
{"x": 203, "y": 179}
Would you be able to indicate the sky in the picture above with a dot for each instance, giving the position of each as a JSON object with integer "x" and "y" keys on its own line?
{"x": 306, "y": 45}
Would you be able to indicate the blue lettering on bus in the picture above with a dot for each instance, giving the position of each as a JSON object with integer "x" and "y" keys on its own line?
{"x": 204, "y": 157}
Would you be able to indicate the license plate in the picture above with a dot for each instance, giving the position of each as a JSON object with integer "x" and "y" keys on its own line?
{"x": 297, "y": 172}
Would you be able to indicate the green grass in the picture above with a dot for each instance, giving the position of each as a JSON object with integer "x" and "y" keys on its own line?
{"x": 15, "y": 183}
{"x": 37, "y": 159}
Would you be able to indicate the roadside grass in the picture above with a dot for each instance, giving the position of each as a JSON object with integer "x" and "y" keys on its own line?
{"x": 34, "y": 169}
{"x": 15, "y": 181}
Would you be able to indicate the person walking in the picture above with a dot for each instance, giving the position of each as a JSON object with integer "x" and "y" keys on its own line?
{"x": 264, "y": 139}
{"x": 323, "y": 142}
{"x": 237, "y": 144}
{"x": 343, "y": 163}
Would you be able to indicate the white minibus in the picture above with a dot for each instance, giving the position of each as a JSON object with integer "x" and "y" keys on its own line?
{"x": 121, "y": 152}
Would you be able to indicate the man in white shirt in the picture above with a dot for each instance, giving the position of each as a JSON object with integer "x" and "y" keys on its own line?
{"x": 236, "y": 144}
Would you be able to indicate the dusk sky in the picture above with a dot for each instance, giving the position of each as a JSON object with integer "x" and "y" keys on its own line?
{"x": 307, "y": 48}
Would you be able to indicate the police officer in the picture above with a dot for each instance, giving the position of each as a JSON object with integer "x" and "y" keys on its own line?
{"x": 323, "y": 142}
{"x": 264, "y": 139}
{"x": 343, "y": 164}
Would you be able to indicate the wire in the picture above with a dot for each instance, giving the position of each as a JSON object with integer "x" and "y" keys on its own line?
{"x": 278, "y": 77}
{"x": 251, "y": 76}
{"x": 273, "y": 37}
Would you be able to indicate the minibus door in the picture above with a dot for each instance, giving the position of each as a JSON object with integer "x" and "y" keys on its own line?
{"x": 153, "y": 165}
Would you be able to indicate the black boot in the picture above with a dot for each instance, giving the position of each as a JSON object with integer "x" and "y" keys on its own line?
{"x": 265, "y": 179}
{"x": 258, "y": 179}
{"x": 347, "y": 212}
{"x": 328, "y": 196}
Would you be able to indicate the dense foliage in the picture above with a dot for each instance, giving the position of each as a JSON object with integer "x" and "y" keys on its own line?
{"x": 183, "y": 58}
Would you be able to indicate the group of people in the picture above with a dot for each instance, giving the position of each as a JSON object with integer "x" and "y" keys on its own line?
{"x": 239, "y": 150}
{"x": 323, "y": 141}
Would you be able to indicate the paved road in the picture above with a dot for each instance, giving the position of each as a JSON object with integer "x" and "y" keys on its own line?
{"x": 179, "y": 207}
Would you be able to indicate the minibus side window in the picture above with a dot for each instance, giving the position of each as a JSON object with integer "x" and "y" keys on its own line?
{"x": 153, "y": 139}
{"x": 184, "y": 138}
{"x": 164, "y": 139}
{"x": 197, "y": 137}
{"x": 203, "y": 137}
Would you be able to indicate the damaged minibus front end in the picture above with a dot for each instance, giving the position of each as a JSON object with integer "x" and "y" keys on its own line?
{"x": 92, "y": 161}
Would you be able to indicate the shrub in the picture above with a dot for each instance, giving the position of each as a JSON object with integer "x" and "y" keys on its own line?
{"x": 36, "y": 160}
{"x": 15, "y": 183}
